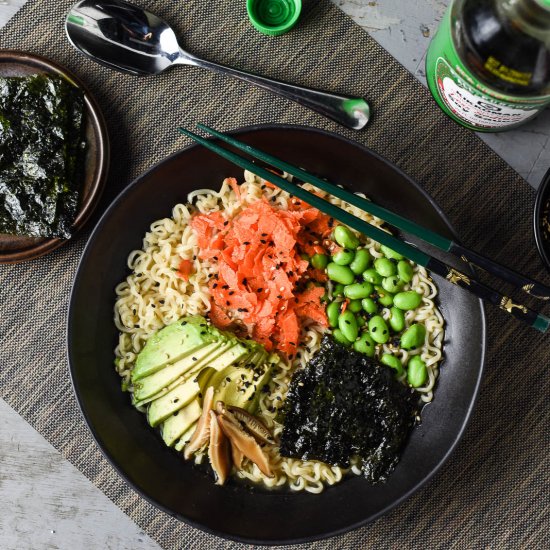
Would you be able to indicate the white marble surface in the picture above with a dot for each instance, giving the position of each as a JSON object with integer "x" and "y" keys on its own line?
{"x": 45, "y": 503}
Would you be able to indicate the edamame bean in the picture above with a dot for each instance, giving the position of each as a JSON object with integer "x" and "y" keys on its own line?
{"x": 340, "y": 338}
{"x": 385, "y": 267}
{"x": 372, "y": 276}
{"x": 343, "y": 257}
{"x": 333, "y": 312}
{"x": 413, "y": 337}
{"x": 319, "y": 261}
{"x": 405, "y": 271}
{"x": 340, "y": 273}
{"x": 357, "y": 291}
{"x": 360, "y": 321}
{"x": 378, "y": 329}
{"x": 417, "y": 372}
{"x": 345, "y": 238}
{"x": 355, "y": 305}
{"x": 348, "y": 325}
{"x": 361, "y": 261}
{"x": 338, "y": 290}
{"x": 389, "y": 253}
{"x": 369, "y": 305}
{"x": 393, "y": 362}
{"x": 392, "y": 284}
{"x": 407, "y": 300}
{"x": 385, "y": 298}
{"x": 397, "y": 319}
{"x": 365, "y": 344}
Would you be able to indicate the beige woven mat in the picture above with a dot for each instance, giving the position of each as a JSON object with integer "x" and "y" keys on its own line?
{"x": 493, "y": 492}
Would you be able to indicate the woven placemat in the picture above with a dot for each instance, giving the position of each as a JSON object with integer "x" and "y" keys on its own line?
{"x": 493, "y": 491}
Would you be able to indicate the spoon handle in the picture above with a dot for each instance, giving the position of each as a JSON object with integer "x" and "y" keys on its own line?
{"x": 352, "y": 112}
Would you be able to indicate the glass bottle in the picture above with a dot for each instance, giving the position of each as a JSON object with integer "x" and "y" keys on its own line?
{"x": 488, "y": 66}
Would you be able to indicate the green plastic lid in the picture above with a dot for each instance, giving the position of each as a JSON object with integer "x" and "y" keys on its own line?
{"x": 274, "y": 17}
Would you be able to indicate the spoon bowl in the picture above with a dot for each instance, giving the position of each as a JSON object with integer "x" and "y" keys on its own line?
{"x": 127, "y": 38}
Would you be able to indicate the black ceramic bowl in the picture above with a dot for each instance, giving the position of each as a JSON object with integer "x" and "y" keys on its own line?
{"x": 541, "y": 219}
{"x": 237, "y": 511}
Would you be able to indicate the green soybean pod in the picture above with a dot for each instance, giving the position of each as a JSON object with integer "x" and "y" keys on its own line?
{"x": 413, "y": 337}
{"x": 397, "y": 319}
{"x": 390, "y": 253}
{"x": 319, "y": 261}
{"x": 369, "y": 305}
{"x": 340, "y": 273}
{"x": 357, "y": 291}
{"x": 360, "y": 321}
{"x": 338, "y": 290}
{"x": 417, "y": 372}
{"x": 333, "y": 312}
{"x": 348, "y": 325}
{"x": 361, "y": 261}
{"x": 355, "y": 305}
{"x": 393, "y": 362}
{"x": 407, "y": 300}
{"x": 385, "y": 267}
{"x": 378, "y": 329}
{"x": 385, "y": 298}
{"x": 345, "y": 238}
{"x": 372, "y": 276}
{"x": 392, "y": 284}
{"x": 365, "y": 344}
{"x": 343, "y": 257}
{"x": 405, "y": 271}
{"x": 340, "y": 338}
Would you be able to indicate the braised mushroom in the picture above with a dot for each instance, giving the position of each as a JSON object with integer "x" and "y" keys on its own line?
{"x": 252, "y": 424}
{"x": 218, "y": 450}
{"x": 202, "y": 433}
{"x": 245, "y": 443}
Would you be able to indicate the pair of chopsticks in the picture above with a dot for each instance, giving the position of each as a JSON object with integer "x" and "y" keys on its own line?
{"x": 468, "y": 282}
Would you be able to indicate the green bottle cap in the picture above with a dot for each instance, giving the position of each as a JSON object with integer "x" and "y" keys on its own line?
{"x": 273, "y": 17}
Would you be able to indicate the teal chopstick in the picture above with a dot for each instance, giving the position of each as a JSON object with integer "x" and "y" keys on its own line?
{"x": 479, "y": 289}
{"x": 364, "y": 227}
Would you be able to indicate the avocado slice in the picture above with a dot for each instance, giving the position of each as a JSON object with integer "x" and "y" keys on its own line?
{"x": 178, "y": 397}
{"x": 176, "y": 425}
{"x": 185, "y": 438}
{"x": 137, "y": 402}
{"x": 241, "y": 385}
{"x": 173, "y": 343}
{"x": 173, "y": 401}
{"x": 154, "y": 383}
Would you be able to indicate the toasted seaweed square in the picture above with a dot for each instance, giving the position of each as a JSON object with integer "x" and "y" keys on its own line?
{"x": 41, "y": 155}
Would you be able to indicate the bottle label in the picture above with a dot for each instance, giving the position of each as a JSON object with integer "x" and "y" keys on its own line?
{"x": 464, "y": 97}
{"x": 478, "y": 109}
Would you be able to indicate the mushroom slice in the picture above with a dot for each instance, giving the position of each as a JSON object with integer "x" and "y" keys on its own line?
{"x": 237, "y": 456}
{"x": 246, "y": 444}
{"x": 200, "y": 436}
{"x": 218, "y": 450}
{"x": 253, "y": 424}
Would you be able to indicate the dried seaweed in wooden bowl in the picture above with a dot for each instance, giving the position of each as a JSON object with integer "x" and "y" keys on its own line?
{"x": 41, "y": 155}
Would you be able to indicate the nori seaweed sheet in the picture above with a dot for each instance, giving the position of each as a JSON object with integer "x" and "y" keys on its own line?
{"x": 344, "y": 405}
{"x": 41, "y": 155}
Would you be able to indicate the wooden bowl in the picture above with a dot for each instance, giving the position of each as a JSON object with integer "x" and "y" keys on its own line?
{"x": 14, "y": 248}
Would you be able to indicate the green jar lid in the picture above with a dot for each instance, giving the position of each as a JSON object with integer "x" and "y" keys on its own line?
{"x": 273, "y": 17}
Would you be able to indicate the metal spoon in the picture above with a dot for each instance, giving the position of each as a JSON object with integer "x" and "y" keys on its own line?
{"x": 125, "y": 37}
